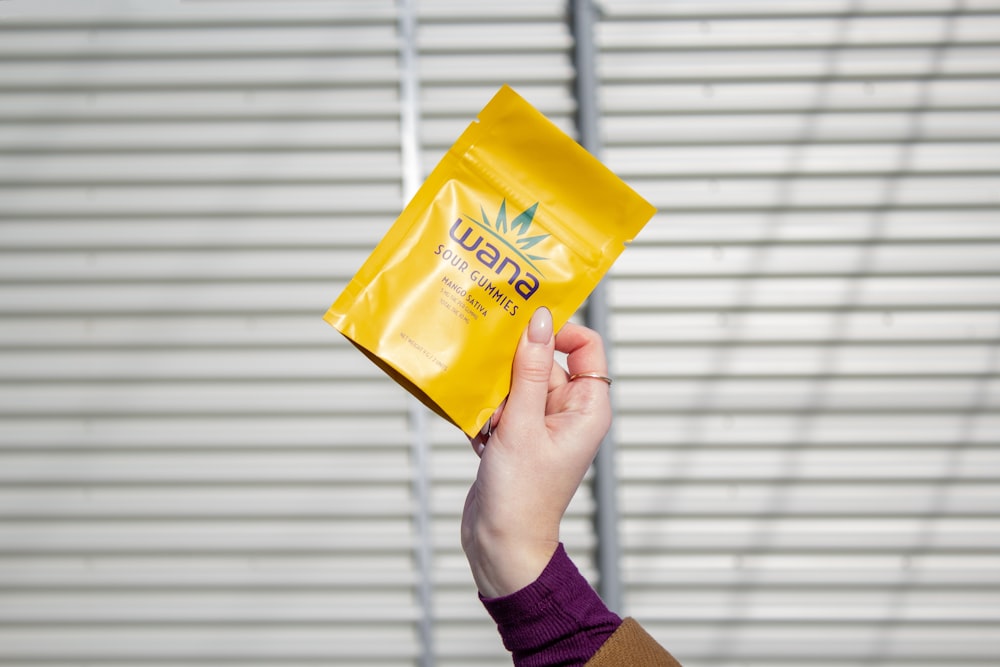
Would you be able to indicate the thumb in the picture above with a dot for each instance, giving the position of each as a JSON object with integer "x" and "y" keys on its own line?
{"x": 529, "y": 385}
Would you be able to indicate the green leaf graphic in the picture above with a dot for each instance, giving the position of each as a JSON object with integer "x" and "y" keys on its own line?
{"x": 522, "y": 223}
{"x": 502, "y": 217}
{"x": 531, "y": 241}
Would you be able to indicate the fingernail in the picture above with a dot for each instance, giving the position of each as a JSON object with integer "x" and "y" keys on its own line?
{"x": 481, "y": 448}
{"x": 540, "y": 327}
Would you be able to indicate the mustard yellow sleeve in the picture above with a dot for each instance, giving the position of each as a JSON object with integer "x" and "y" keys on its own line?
{"x": 631, "y": 645}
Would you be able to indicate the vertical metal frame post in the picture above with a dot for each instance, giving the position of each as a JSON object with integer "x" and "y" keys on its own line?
{"x": 583, "y": 17}
{"x": 409, "y": 121}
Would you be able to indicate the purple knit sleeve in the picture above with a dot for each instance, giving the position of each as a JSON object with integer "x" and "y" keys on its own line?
{"x": 556, "y": 620}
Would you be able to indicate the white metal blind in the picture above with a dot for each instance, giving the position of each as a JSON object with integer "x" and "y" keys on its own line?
{"x": 806, "y": 336}
{"x": 194, "y": 469}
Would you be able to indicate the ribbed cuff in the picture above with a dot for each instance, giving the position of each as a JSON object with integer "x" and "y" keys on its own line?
{"x": 556, "y": 620}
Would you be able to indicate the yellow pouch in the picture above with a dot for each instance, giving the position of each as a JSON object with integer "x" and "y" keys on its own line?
{"x": 515, "y": 216}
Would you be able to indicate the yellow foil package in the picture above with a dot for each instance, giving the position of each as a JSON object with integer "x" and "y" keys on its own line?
{"x": 515, "y": 216}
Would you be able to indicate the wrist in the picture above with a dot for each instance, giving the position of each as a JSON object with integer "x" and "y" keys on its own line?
{"x": 502, "y": 566}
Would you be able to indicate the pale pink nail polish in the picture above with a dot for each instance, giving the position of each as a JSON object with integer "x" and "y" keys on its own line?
{"x": 540, "y": 327}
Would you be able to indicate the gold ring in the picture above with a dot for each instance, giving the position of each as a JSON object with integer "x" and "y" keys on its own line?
{"x": 590, "y": 374}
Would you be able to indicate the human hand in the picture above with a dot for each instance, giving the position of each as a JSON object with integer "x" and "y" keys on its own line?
{"x": 545, "y": 437}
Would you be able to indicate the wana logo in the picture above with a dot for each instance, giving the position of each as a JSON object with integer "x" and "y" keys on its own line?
{"x": 508, "y": 258}
{"x": 497, "y": 256}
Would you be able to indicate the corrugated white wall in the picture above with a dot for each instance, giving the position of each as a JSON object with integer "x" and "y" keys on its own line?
{"x": 194, "y": 469}
{"x": 806, "y": 336}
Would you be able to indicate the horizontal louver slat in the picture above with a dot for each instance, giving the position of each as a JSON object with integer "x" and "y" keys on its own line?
{"x": 805, "y": 337}
{"x": 237, "y": 504}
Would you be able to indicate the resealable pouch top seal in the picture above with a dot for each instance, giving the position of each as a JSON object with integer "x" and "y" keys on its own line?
{"x": 515, "y": 216}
